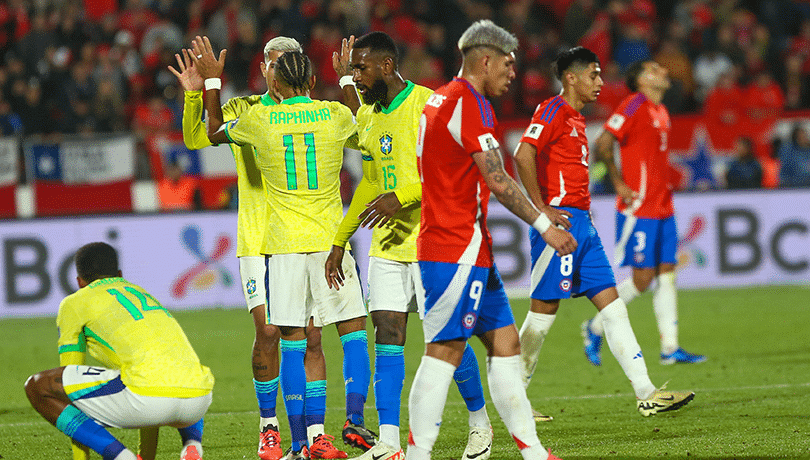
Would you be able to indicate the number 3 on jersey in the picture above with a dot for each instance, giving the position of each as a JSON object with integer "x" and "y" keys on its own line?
{"x": 289, "y": 161}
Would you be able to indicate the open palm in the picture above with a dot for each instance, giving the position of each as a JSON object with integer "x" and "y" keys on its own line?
{"x": 188, "y": 76}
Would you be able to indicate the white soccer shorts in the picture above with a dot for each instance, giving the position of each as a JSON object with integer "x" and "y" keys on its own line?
{"x": 298, "y": 291}
{"x": 395, "y": 286}
{"x": 102, "y": 396}
{"x": 252, "y": 269}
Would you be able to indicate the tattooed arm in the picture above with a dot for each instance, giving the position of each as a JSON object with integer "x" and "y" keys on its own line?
{"x": 508, "y": 192}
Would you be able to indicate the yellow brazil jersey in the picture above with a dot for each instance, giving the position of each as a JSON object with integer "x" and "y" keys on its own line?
{"x": 251, "y": 215}
{"x": 299, "y": 150}
{"x": 125, "y": 328}
{"x": 387, "y": 139}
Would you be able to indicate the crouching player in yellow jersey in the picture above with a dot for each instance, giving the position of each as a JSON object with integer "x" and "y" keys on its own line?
{"x": 151, "y": 375}
{"x": 389, "y": 198}
{"x": 299, "y": 150}
{"x": 252, "y": 224}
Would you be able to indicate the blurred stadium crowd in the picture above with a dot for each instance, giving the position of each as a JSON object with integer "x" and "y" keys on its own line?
{"x": 99, "y": 66}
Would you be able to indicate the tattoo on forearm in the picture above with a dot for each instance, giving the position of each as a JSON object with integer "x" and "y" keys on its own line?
{"x": 511, "y": 196}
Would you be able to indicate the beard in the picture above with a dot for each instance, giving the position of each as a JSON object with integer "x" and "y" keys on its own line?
{"x": 377, "y": 93}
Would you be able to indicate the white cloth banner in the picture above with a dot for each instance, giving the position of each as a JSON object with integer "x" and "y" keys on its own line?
{"x": 189, "y": 260}
{"x": 9, "y": 160}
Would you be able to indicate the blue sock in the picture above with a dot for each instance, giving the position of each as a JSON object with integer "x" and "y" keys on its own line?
{"x": 293, "y": 388}
{"x": 468, "y": 379}
{"x": 356, "y": 374}
{"x": 316, "y": 402}
{"x": 389, "y": 378}
{"x": 192, "y": 433}
{"x": 85, "y": 430}
{"x": 266, "y": 393}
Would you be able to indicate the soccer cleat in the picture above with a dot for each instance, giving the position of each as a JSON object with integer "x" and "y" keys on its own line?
{"x": 190, "y": 453}
{"x": 681, "y": 356}
{"x": 382, "y": 451}
{"x": 302, "y": 454}
{"x": 479, "y": 444}
{"x": 538, "y": 417}
{"x": 593, "y": 344}
{"x": 270, "y": 444}
{"x": 358, "y": 436}
{"x": 323, "y": 448}
{"x": 664, "y": 401}
{"x": 552, "y": 456}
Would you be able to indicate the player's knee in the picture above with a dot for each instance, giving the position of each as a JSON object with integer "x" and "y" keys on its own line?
{"x": 314, "y": 340}
{"x": 35, "y": 387}
{"x": 389, "y": 334}
{"x": 268, "y": 334}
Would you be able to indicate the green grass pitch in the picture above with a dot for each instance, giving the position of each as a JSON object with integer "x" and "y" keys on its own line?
{"x": 752, "y": 402}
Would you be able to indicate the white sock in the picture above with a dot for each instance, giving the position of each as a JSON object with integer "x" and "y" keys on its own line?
{"x": 625, "y": 347}
{"x": 532, "y": 334}
{"x": 665, "y": 305}
{"x": 426, "y": 403}
{"x": 389, "y": 434}
{"x": 313, "y": 431}
{"x": 628, "y": 290}
{"x": 480, "y": 418}
{"x": 509, "y": 397}
{"x": 534, "y": 453}
{"x": 596, "y": 326}
{"x": 264, "y": 421}
{"x": 126, "y": 454}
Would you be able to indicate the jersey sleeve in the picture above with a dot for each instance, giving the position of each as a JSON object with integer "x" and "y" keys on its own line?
{"x": 477, "y": 130}
{"x": 539, "y": 132}
{"x": 72, "y": 344}
{"x": 619, "y": 122}
{"x": 409, "y": 194}
{"x": 346, "y": 125}
{"x": 194, "y": 133}
{"x": 242, "y": 130}
{"x": 365, "y": 192}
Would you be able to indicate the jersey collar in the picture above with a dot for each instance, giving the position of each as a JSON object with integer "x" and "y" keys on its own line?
{"x": 297, "y": 100}
{"x": 397, "y": 100}
{"x": 112, "y": 279}
{"x": 267, "y": 100}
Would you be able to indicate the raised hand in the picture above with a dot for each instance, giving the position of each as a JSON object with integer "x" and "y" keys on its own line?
{"x": 208, "y": 65}
{"x": 189, "y": 78}
{"x": 340, "y": 59}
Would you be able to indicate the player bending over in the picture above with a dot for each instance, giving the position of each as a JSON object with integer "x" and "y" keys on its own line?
{"x": 151, "y": 375}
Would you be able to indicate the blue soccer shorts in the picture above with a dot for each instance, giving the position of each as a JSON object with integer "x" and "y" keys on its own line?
{"x": 462, "y": 301}
{"x": 586, "y": 271}
{"x": 645, "y": 243}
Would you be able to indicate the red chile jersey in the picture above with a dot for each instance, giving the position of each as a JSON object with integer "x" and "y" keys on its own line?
{"x": 557, "y": 130}
{"x": 642, "y": 129}
{"x": 456, "y": 123}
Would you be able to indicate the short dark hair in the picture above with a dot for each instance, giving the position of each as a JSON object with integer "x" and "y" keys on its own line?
{"x": 578, "y": 56}
{"x": 295, "y": 69}
{"x": 96, "y": 261}
{"x": 378, "y": 42}
{"x": 633, "y": 72}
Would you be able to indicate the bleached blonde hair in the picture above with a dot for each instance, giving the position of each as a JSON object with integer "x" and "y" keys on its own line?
{"x": 283, "y": 44}
{"x": 487, "y": 33}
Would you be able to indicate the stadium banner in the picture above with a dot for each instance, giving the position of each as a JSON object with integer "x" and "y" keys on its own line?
{"x": 9, "y": 170}
{"x": 188, "y": 260}
{"x": 76, "y": 161}
{"x": 212, "y": 161}
{"x": 9, "y": 161}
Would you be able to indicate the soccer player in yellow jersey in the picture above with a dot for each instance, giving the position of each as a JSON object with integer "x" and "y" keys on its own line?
{"x": 299, "y": 150}
{"x": 151, "y": 375}
{"x": 388, "y": 199}
{"x": 252, "y": 224}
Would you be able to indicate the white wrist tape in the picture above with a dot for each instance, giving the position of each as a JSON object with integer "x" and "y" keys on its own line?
{"x": 213, "y": 83}
{"x": 542, "y": 223}
{"x": 346, "y": 80}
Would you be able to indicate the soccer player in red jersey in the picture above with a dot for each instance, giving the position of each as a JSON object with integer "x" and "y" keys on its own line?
{"x": 645, "y": 223}
{"x": 460, "y": 164}
{"x": 552, "y": 160}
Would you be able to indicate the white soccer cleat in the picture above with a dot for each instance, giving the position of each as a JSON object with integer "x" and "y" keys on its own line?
{"x": 479, "y": 444}
{"x": 382, "y": 451}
